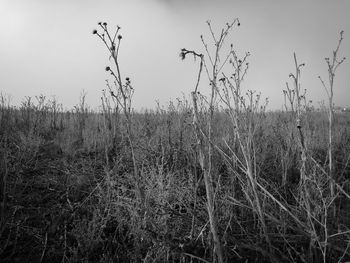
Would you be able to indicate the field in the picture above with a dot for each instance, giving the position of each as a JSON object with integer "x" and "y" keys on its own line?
{"x": 204, "y": 179}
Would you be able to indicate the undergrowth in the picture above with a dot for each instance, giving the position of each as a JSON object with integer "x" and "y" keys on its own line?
{"x": 214, "y": 178}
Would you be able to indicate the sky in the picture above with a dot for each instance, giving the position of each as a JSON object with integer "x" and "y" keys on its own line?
{"x": 47, "y": 46}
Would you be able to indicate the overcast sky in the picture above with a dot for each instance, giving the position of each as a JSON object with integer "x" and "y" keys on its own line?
{"x": 47, "y": 46}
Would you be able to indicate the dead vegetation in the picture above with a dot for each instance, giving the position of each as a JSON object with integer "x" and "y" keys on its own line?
{"x": 214, "y": 178}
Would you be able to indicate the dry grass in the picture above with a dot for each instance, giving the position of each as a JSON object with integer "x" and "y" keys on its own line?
{"x": 236, "y": 184}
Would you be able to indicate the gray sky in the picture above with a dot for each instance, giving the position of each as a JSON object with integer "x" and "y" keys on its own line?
{"x": 46, "y": 46}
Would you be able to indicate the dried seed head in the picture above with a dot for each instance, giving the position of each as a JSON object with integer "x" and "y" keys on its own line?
{"x": 120, "y": 37}
{"x": 182, "y": 55}
{"x": 105, "y": 23}
{"x": 127, "y": 79}
{"x": 94, "y": 31}
{"x": 108, "y": 68}
{"x": 238, "y": 24}
{"x": 298, "y": 123}
{"x": 99, "y": 23}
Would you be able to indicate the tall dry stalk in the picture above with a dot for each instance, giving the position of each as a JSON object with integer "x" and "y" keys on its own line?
{"x": 316, "y": 186}
{"x": 245, "y": 113}
{"x": 203, "y": 121}
{"x": 296, "y": 99}
{"x": 332, "y": 65}
{"x": 122, "y": 91}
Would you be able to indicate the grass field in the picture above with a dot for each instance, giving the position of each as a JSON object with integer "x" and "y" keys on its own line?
{"x": 206, "y": 179}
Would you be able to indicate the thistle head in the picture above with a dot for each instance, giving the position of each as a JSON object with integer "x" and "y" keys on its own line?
{"x": 183, "y": 53}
